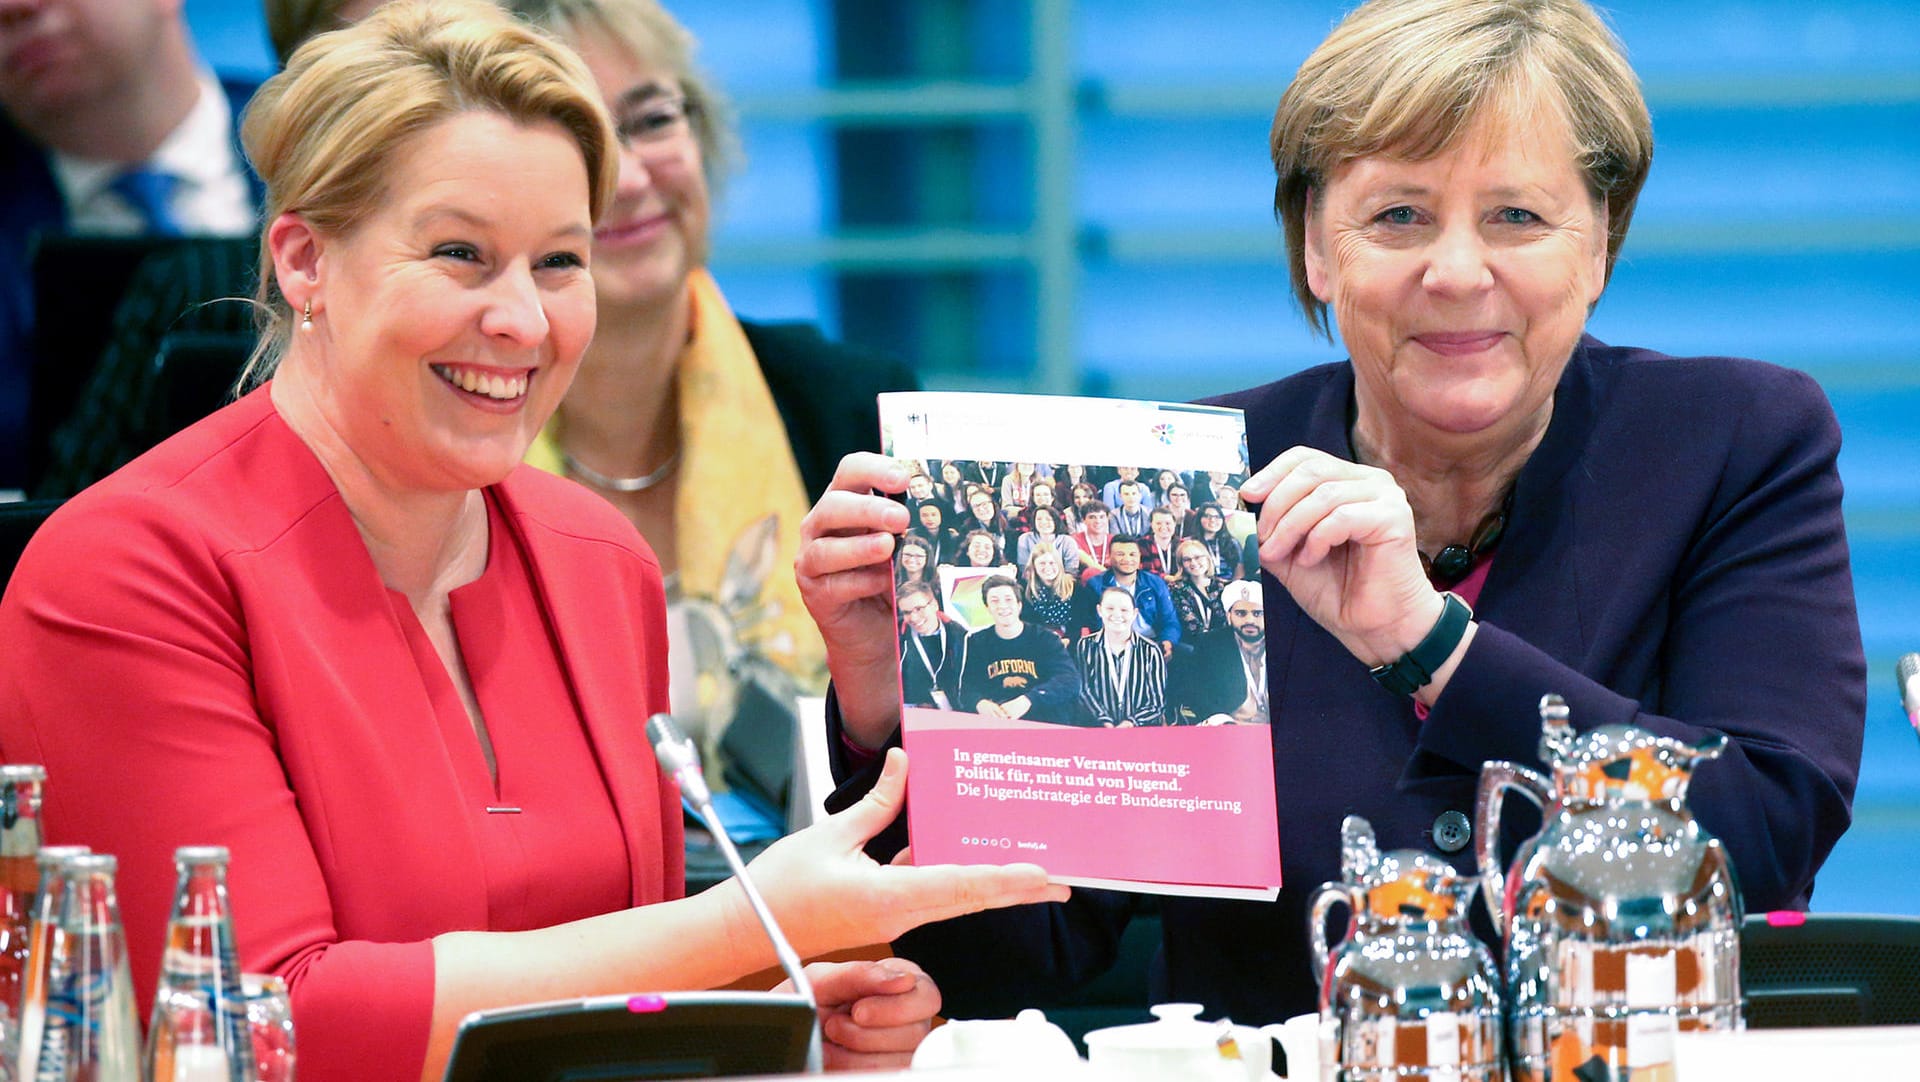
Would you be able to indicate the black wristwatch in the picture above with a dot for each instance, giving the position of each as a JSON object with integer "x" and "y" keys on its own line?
{"x": 1415, "y": 668}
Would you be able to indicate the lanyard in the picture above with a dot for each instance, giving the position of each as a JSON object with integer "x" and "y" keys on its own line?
{"x": 1256, "y": 678}
{"x": 933, "y": 671}
{"x": 1099, "y": 554}
{"x": 1204, "y": 603}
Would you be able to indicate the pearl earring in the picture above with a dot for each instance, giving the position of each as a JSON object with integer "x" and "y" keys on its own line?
{"x": 306, "y": 317}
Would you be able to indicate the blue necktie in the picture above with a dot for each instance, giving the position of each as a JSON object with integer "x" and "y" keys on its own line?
{"x": 150, "y": 193}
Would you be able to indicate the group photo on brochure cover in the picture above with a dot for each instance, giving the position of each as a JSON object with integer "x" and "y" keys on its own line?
{"x": 1126, "y": 604}
{"x": 1082, "y": 638}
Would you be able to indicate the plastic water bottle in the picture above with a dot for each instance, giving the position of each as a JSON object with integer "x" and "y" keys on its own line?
{"x": 198, "y": 1031}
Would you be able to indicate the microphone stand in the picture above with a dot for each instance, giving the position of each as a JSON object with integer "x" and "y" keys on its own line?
{"x": 682, "y": 761}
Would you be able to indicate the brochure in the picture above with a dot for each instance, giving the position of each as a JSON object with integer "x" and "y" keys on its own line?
{"x": 1082, "y": 651}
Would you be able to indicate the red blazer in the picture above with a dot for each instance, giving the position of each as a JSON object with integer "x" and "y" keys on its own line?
{"x": 201, "y": 652}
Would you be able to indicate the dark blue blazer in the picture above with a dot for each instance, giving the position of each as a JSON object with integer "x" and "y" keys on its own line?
{"x": 1676, "y": 559}
{"x": 31, "y": 205}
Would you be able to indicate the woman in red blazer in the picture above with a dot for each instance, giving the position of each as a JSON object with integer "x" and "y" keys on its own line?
{"x": 336, "y": 628}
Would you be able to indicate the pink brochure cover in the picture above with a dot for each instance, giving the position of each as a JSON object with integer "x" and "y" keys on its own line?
{"x": 1176, "y": 810}
{"x": 1082, "y": 661}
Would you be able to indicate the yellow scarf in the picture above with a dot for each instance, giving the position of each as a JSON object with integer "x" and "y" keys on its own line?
{"x": 737, "y": 471}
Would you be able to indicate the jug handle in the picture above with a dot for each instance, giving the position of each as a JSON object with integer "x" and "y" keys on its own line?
{"x": 1496, "y": 777}
{"x": 1322, "y": 901}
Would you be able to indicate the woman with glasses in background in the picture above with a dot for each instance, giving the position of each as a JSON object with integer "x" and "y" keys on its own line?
{"x": 678, "y": 399}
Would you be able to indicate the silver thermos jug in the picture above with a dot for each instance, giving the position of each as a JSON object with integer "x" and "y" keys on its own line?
{"x": 1621, "y": 918}
{"x": 1409, "y": 993}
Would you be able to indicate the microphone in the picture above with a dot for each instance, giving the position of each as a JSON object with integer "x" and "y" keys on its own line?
{"x": 1906, "y": 673}
{"x": 681, "y": 760}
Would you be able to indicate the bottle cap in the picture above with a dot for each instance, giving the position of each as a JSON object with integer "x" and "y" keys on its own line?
{"x": 50, "y": 855}
{"x": 93, "y": 863}
{"x": 201, "y": 854}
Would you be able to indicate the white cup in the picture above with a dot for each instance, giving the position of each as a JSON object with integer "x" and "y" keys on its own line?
{"x": 1027, "y": 1039}
{"x": 1300, "y": 1037}
{"x": 1178, "y": 1047}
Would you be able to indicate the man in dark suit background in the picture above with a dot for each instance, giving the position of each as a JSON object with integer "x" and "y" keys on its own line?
{"x": 112, "y": 126}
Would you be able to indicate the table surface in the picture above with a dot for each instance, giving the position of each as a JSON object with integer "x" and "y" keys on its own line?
{"x": 1890, "y": 1051}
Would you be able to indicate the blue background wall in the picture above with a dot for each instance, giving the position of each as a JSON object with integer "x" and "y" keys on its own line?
{"x": 1778, "y": 223}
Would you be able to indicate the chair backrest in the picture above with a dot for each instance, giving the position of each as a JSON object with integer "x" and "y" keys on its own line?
{"x": 17, "y": 523}
{"x": 1831, "y": 970}
{"x": 78, "y": 282}
{"x": 114, "y": 404}
{"x": 193, "y": 376}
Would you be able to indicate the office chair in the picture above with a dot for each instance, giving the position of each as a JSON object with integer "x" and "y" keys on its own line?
{"x": 17, "y": 523}
{"x": 1821, "y": 969}
{"x": 95, "y": 411}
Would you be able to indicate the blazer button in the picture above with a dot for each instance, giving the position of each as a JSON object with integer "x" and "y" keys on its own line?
{"x": 1451, "y": 831}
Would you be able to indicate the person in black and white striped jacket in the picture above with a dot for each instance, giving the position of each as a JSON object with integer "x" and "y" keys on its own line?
{"x": 1123, "y": 676}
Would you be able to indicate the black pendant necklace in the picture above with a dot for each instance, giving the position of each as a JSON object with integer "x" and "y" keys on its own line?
{"x": 1454, "y": 562}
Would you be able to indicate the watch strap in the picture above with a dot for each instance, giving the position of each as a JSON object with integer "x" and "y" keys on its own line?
{"x": 1414, "y": 669}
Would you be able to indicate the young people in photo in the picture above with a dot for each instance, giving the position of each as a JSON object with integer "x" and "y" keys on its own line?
{"x": 1208, "y": 525}
{"x": 984, "y": 472}
{"x": 919, "y": 491}
{"x": 1223, "y": 679}
{"x": 1078, "y": 497}
{"x": 1180, "y": 503}
{"x": 1224, "y": 491}
{"x": 1055, "y": 598}
{"x": 1014, "y": 669}
{"x": 952, "y": 489}
{"x": 1110, "y": 492}
{"x": 1123, "y": 677}
{"x": 1092, "y": 538}
{"x": 1045, "y": 534}
{"x": 1152, "y": 601}
{"x": 982, "y": 549}
{"x": 1196, "y": 591}
{"x": 1156, "y": 548}
{"x": 931, "y": 649}
{"x": 1130, "y": 517}
{"x": 1016, "y": 488}
{"x": 942, "y": 540}
{"x": 984, "y": 514}
{"x": 1042, "y": 494}
{"x": 914, "y": 562}
{"x": 1163, "y": 482}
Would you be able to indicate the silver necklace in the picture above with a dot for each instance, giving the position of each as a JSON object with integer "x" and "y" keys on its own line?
{"x": 619, "y": 484}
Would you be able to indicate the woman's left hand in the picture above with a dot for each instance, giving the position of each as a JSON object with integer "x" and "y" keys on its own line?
{"x": 1339, "y": 536}
{"x": 872, "y": 1014}
{"x": 845, "y": 573}
{"x": 828, "y": 894}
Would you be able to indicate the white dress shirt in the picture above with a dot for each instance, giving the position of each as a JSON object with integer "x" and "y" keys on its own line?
{"x": 210, "y": 195}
